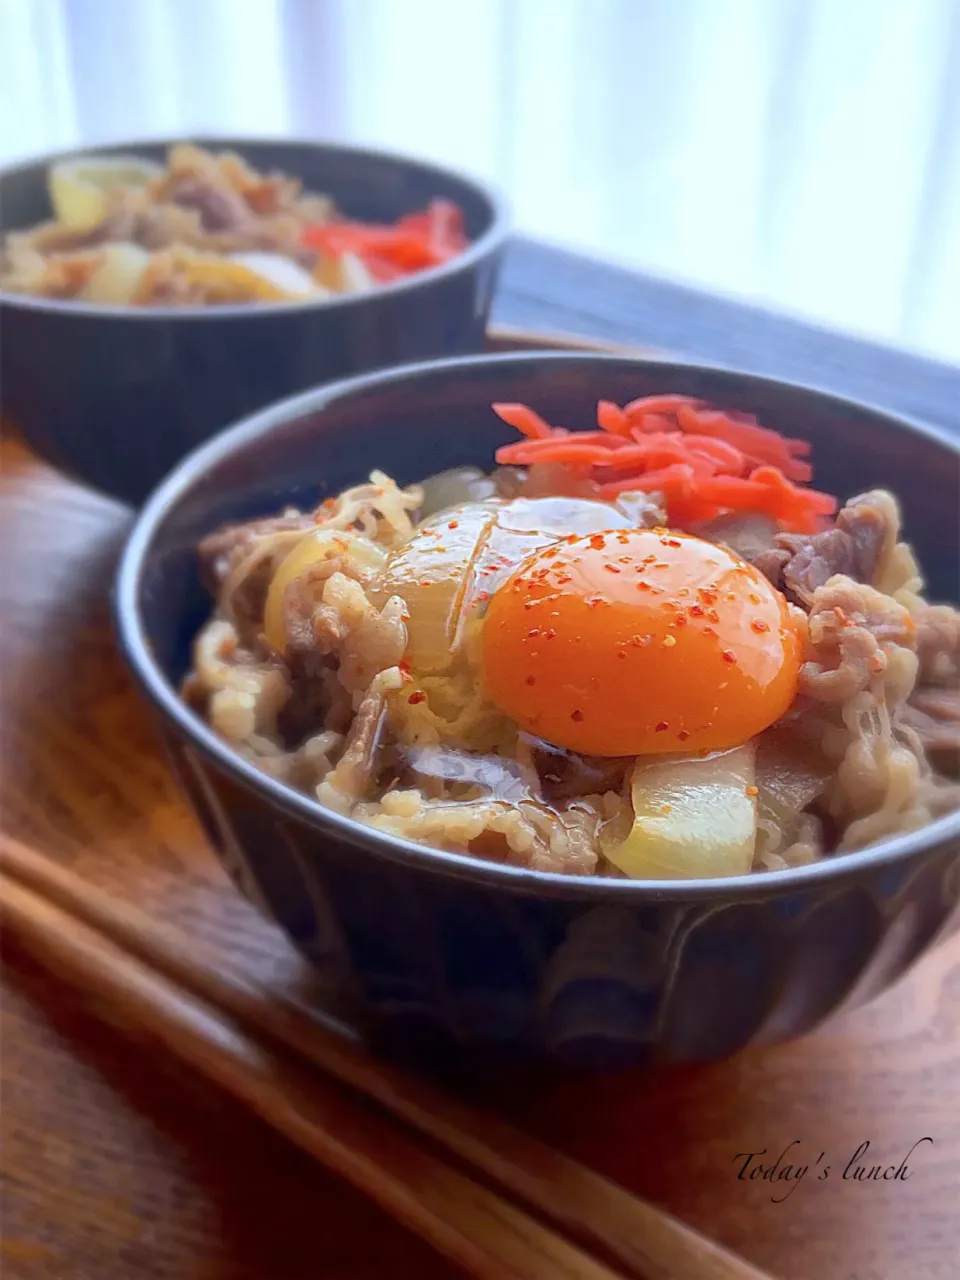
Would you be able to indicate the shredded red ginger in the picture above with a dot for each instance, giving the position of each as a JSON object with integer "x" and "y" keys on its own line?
{"x": 704, "y": 462}
{"x": 413, "y": 243}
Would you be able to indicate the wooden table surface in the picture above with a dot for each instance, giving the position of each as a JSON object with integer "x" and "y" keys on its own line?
{"x": 118, "y": 1165}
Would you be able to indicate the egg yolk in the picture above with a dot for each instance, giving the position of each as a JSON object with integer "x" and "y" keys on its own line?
{"x": 640, "y": 642}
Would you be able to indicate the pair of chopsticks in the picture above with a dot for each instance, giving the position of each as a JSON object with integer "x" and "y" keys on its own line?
{"x": 494, "y": 1200}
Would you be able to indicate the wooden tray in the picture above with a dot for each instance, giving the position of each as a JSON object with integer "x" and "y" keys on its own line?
{"x": 118, "y": 1166}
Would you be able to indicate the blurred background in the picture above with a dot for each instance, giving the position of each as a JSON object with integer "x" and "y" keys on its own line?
{"x": 800, "y": 153}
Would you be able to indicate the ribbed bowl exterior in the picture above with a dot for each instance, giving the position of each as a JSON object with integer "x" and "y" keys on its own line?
{"x": 440, "y": 962}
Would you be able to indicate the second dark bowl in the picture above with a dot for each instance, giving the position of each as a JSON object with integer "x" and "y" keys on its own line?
{"x": 116, "y": 395}
{"x": 438, "y": 948}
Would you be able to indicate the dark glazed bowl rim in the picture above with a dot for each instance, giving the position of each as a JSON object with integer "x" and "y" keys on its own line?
{"x": 492, "y": 238}
{"x": 135, "y": 646}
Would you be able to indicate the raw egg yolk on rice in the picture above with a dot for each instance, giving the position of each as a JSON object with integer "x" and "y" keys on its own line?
{"x": 640, "y": 642}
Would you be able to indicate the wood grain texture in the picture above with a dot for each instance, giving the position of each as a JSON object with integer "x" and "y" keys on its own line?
{"x": 118, "y": 1165}
{"x": 204, "y": 1009}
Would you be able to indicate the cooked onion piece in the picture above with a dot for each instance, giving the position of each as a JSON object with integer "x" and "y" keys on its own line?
{"x": 430, "y": 572}
{"x": 118, "y": 276}
{"x": 453, "y": 488}
{"x": 283, "y": 273}
{"x": 692, "y": 818}
{"x": 316, "y": 546}
{"x": 79, "y": 188}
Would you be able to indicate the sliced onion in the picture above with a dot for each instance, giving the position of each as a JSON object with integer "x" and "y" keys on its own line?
{"x": 282, "y": 272}
{"x": 78, "y": 188}
{"x": 342, "y": 273}
{"x": 354, "y": 276}
{"x": 790, "y": 775}
{"x": 116, "y": 278}
{"x": 431, "y": 572}
{"x": 316, "y": 546}
{"x": 490, "y": 774}
{"x": 692, "y": 818}
{"x": 454, "y": 487}
{"x": 232, "y": 279}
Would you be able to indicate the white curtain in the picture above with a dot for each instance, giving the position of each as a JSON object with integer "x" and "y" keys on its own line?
{"x": 804, "y": 153}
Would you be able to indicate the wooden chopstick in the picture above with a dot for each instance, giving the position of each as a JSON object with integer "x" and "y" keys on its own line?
{"x": 645, "y": 1240}
{"x": 464, "y": 1220}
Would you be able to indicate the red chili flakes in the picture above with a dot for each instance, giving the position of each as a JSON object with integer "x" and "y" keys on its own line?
{"x": 623, "y": 539}
{"x": 549, "y": 634}
{"x": 753, "y": 791}
{"x": 683, "y": 735}
{"x": 661, "y": 726}
{"x": 416, "y": 697}
{"x": 671, "y": 542}
{"x": 728, "y": 655}
{"x": 709, "y": 631}
{"x": 454, "y": 524}
{"x": 621, "y": 653}
{"x": 643, "y": 586}
{"x": 597, "y": 541}
{"x": 712, "y": 616}
{"x": 425, "y": 582}
{"x": 696, "y": 611}
{"x": 759, "y": 626}
{"x": 611, "y": 568}
{"x": 679, "y": 621}
{"x": 563, "y": 578}
{"x": 529, "y": 604}
{"x": 404, "y": 665}
{"x": 531, "y": 680}
{"x": 624, "y": 560}
{"x": 660, "y": 564}
{"x": 707, "y": 595}
{"x": 533, "y": 633}
{"x": 576, "y": 715}
{"x": 595, "y": 600}
{"x": 638, "y": 641}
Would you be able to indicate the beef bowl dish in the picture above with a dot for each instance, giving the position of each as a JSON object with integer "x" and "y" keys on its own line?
{"x": 183, "y": 285}
{"x": 632, "y": 736}
{"x": 207, "y": 229}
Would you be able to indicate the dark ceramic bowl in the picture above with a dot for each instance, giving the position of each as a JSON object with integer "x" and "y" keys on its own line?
{"x": 116, "y": 395}
{"x": 442, "y": 949}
